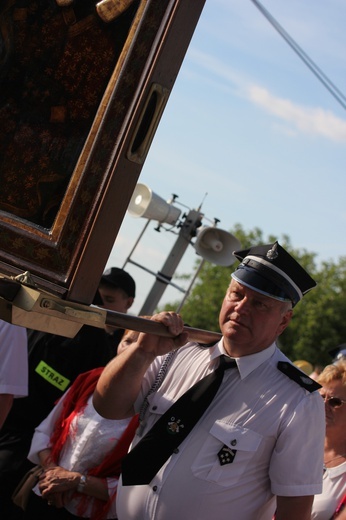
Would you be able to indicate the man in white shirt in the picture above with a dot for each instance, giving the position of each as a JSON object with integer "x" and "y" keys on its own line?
{"x": 258, "y": 448}
{"x": 13, "y": 366}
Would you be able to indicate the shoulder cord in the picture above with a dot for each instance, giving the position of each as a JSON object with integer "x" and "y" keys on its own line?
{"x": 158, "y": 382}
{"x": 155, "y": 386}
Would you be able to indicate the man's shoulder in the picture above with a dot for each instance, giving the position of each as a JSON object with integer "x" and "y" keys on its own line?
{"x": 194, "y": 350}
{"x": 296, "y": 375}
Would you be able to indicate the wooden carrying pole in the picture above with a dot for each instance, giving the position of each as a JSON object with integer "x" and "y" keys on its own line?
{"x": 127, "y": 321}
{"x": 23, "y": 304}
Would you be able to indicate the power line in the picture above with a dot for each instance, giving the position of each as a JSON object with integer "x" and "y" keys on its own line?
{"x": 336, "y": 93}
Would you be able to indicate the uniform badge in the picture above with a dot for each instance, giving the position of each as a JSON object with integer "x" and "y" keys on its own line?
{"x": 272, "y": 253}
{"x": 174, "y": 426}
{"x": 226, "y": 455}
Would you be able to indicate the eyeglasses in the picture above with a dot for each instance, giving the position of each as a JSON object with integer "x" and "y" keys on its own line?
{"x": 334, "y": 402}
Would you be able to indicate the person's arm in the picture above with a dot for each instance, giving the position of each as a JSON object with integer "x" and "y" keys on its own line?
{"x": 294, "y": 507}
{"x": 124, "y": 374}
{"x": 40, "y": 442}
{"x": 6, "y": 401}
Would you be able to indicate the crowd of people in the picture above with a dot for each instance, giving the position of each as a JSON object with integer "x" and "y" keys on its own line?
{"x": 145, "y": 427}
{"x": 54, "y": 362}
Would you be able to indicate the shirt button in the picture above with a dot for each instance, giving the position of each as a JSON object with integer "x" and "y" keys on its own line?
{"x": 155, "y": 488}
{"x": 176, "y": 450}
{"x": 234, "y": 442}
{"x": 154, "y": 408}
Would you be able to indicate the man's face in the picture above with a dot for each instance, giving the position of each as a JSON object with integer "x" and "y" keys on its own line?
{"x": 250, "y": 321}
{"x": 115, "y": 299}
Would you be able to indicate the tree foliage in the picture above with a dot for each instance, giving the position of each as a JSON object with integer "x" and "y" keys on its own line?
{"x": 318, "y": 323}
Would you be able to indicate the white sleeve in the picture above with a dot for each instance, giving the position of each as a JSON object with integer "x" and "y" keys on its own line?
{"x": 13, "y": 360}
{"x": 296, "y": 466}
{"x": 43, "y": 431}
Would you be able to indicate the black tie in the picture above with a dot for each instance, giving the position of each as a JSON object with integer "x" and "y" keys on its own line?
{"x": 143, "y": 462}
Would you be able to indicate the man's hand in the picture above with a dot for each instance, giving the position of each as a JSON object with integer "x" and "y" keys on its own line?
{"x": 158, "y": 345}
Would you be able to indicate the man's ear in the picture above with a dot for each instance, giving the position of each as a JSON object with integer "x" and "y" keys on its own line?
{"x": 130, "y": 301}
{"x": 286, "y": 318}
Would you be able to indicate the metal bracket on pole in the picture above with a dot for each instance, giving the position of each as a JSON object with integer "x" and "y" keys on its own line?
{"x": 32, "y": 308}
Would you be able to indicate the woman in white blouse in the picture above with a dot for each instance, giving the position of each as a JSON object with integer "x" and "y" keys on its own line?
{"x": 327, "y": 505}
{"x": 81, "y": 454}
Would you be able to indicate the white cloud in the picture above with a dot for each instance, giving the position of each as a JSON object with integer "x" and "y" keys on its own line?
{"x": 313, "y": 121}
{"x": 309, "y": 120}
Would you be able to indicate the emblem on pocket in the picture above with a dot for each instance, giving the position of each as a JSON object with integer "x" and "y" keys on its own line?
{"x": 226, "y": 455}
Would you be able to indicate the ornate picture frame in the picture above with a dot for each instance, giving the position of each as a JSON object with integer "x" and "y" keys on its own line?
{"x": 83, "y": 87}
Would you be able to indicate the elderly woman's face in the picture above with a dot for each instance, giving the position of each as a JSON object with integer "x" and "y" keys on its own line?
{"x": 127, "y": 340}
{"x": 334, "y": 394}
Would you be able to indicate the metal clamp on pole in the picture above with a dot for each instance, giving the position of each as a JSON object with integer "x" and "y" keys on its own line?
{"x": 29, "y": 307}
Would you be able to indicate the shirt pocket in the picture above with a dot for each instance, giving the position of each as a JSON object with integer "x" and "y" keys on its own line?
{"x": 242, "y": 441}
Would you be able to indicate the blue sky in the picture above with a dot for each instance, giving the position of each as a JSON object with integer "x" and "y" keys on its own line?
{"x": 248, "y": 124}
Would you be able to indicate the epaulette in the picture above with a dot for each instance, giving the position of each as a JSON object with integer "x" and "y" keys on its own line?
{"x": 298, "y": 376}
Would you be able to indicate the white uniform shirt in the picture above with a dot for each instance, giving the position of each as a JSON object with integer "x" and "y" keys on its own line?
{"x": 276, "y": 427}
{"x": 93, "y": 437}
{"x": 334, "y": 488}
{"x": 13, "y": 360}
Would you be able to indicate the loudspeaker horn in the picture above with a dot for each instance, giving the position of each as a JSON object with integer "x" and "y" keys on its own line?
{"x": 145, "y": 203}
{"x": 216, "y": 245}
